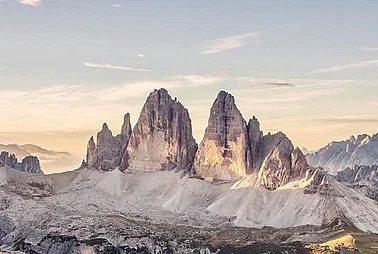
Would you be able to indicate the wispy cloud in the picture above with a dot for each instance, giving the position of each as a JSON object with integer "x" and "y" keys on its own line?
{"x": 140, "y": 55}
{"x": 34, "y": 3}
{"x": 292, "y": 82}
{"x": 230, "y": 42}
{"x": 368, "y": 49}
{"x": 115, "y": 67}
{"x": 278, "y": 83}
{"x": 116, "y": 5}
{"x": 347, "y": 120}
{"x": 352, "y": 66}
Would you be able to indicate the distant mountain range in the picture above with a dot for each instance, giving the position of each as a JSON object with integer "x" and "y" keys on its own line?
{"x": 339, "y": 155}
{"x": 51, "y": 161}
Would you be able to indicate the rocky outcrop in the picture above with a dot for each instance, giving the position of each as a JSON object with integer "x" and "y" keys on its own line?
{"x": 317, "y": 179}
{"x": 224, "y": 151}
{"x": 275, "y": 153}
{"x": 162, "y": 138}
{"x": 338, "y": 155}
{"x": 30, "y": 164}
{"x": 107, "y": 153}
{"x": 232, "y": 149}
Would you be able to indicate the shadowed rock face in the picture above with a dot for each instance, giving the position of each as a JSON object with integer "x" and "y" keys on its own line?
{"x": 224, "y": 152}
{"x": 162, "y": 138}
{"x": 30, "y": 164}
{"x": 107, "y": 154}
{"x": 254, "y": 137}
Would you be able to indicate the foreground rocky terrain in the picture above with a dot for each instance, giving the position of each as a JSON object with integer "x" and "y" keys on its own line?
{"x": 145, "y": 212}
{"x": 338, "y": 155}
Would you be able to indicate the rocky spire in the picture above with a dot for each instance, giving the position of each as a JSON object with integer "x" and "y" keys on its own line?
{"x": 124, "y": 136}
{"x": 162, "y": 137}
{"x": 254, "y": 137}
{"x": 224, "y": 151}
{"x": 108, "y": 149}
{"x": 91, "y": 159}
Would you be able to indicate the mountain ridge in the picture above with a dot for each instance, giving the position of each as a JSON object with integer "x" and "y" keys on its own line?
{"x": 337, "y": 155}
{"x": 231, "y": 149}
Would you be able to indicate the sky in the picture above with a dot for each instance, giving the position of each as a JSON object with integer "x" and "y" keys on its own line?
{"x": 307, "y": 68}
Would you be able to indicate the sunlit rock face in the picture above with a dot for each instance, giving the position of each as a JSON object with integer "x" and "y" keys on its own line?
{"x": 107, "y": 153}
{"x": 224, "y": 151}
{"x": 162, "y": 138}
{"x": 232, "y": 149}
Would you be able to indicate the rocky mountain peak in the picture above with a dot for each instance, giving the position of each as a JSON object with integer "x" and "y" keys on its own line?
{"x": 232, "y": 149}
{"x": 162, "y": 138}
{"x": 105, "y": 128}
{"x": 107, "y": 153}
{"x": 29, "y": 164}
{"x": 337, "y": 155}
{"x": 223, "y": 151}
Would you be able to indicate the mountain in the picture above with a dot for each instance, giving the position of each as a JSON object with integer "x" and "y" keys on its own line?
{"x": 162, "y": 138}
{"x": 29, "y": 164}
{"x": 150, "y": 190}
{"x": 51, "y": 161}
{"x": 232, "y": 149}
{"x": 338, "y": 155}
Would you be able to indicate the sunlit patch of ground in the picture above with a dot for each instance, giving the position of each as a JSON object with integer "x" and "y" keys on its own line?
{"x": 348, "y": 243}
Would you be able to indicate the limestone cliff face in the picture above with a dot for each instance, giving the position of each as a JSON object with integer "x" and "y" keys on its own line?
{"x": 232, "y": 149}
{"x": 107, "y": 153}
{"x": 162, "y": 138}
{"x": 224, "y": 152}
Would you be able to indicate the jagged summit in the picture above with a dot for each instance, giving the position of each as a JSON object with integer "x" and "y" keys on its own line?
{"x": 223, "y": 152}
{"x": 106, "y": 152}
{"x": 162, "y": 138}
{"x": 337, "y": 155}
{"x": 29, "y": 164}
{"x": 231, "y": 148}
